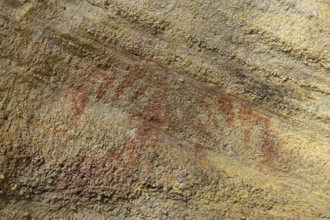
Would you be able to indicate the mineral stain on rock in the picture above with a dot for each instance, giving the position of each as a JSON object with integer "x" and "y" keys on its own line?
{"x": 164, "y": 109}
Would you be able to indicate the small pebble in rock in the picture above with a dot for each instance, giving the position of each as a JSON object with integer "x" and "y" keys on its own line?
{"x": 26, "y": 214}
{"x": 14, "y": 187}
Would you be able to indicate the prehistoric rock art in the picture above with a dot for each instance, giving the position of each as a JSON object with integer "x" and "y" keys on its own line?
{"x": 152, "y": 109}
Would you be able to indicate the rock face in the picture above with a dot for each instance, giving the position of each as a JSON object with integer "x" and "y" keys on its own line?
{"x": 138, "y": 109}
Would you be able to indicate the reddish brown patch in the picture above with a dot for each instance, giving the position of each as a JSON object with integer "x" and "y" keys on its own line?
{"x": 199, "y": 152}
{"x": 246, "y": 137}
{"x": 203, "y": 129}
{"x": 80, "y": 102}
{"x": 153, "y": 109}
{"x": 102, "y": 91}
{"x": 36, "y": 74}
{"x": 270, "y": 148}
{"x": 127, "y": 82}
{"x": 253, "y": 117}
{"x": 114, "y": 172}
{"x": 79, "y": 99}
{"x": 17, "y": 155}
{"x": 92, "y": 75}
{"x": 138, "y": 93}
{"x": 34, "y": 50}
{"x": 226, "y": 108}
{"x": 214, "y": 119}
{"x": 152, "y": 116}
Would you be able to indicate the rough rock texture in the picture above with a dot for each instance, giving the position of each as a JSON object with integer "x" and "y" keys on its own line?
{"x": 153, "y": 109}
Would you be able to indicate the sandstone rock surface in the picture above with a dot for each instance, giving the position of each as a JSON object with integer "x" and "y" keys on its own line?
{"x": 153, "y": 109}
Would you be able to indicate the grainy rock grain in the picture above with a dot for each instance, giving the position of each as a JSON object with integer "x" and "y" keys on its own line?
{"x": 153, "y": 109}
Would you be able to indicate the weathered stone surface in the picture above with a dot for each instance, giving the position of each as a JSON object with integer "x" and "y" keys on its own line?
{"x": 164, "y": 109}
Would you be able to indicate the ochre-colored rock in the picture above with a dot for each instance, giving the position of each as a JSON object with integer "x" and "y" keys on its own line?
{"x": 153, "y": 109}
